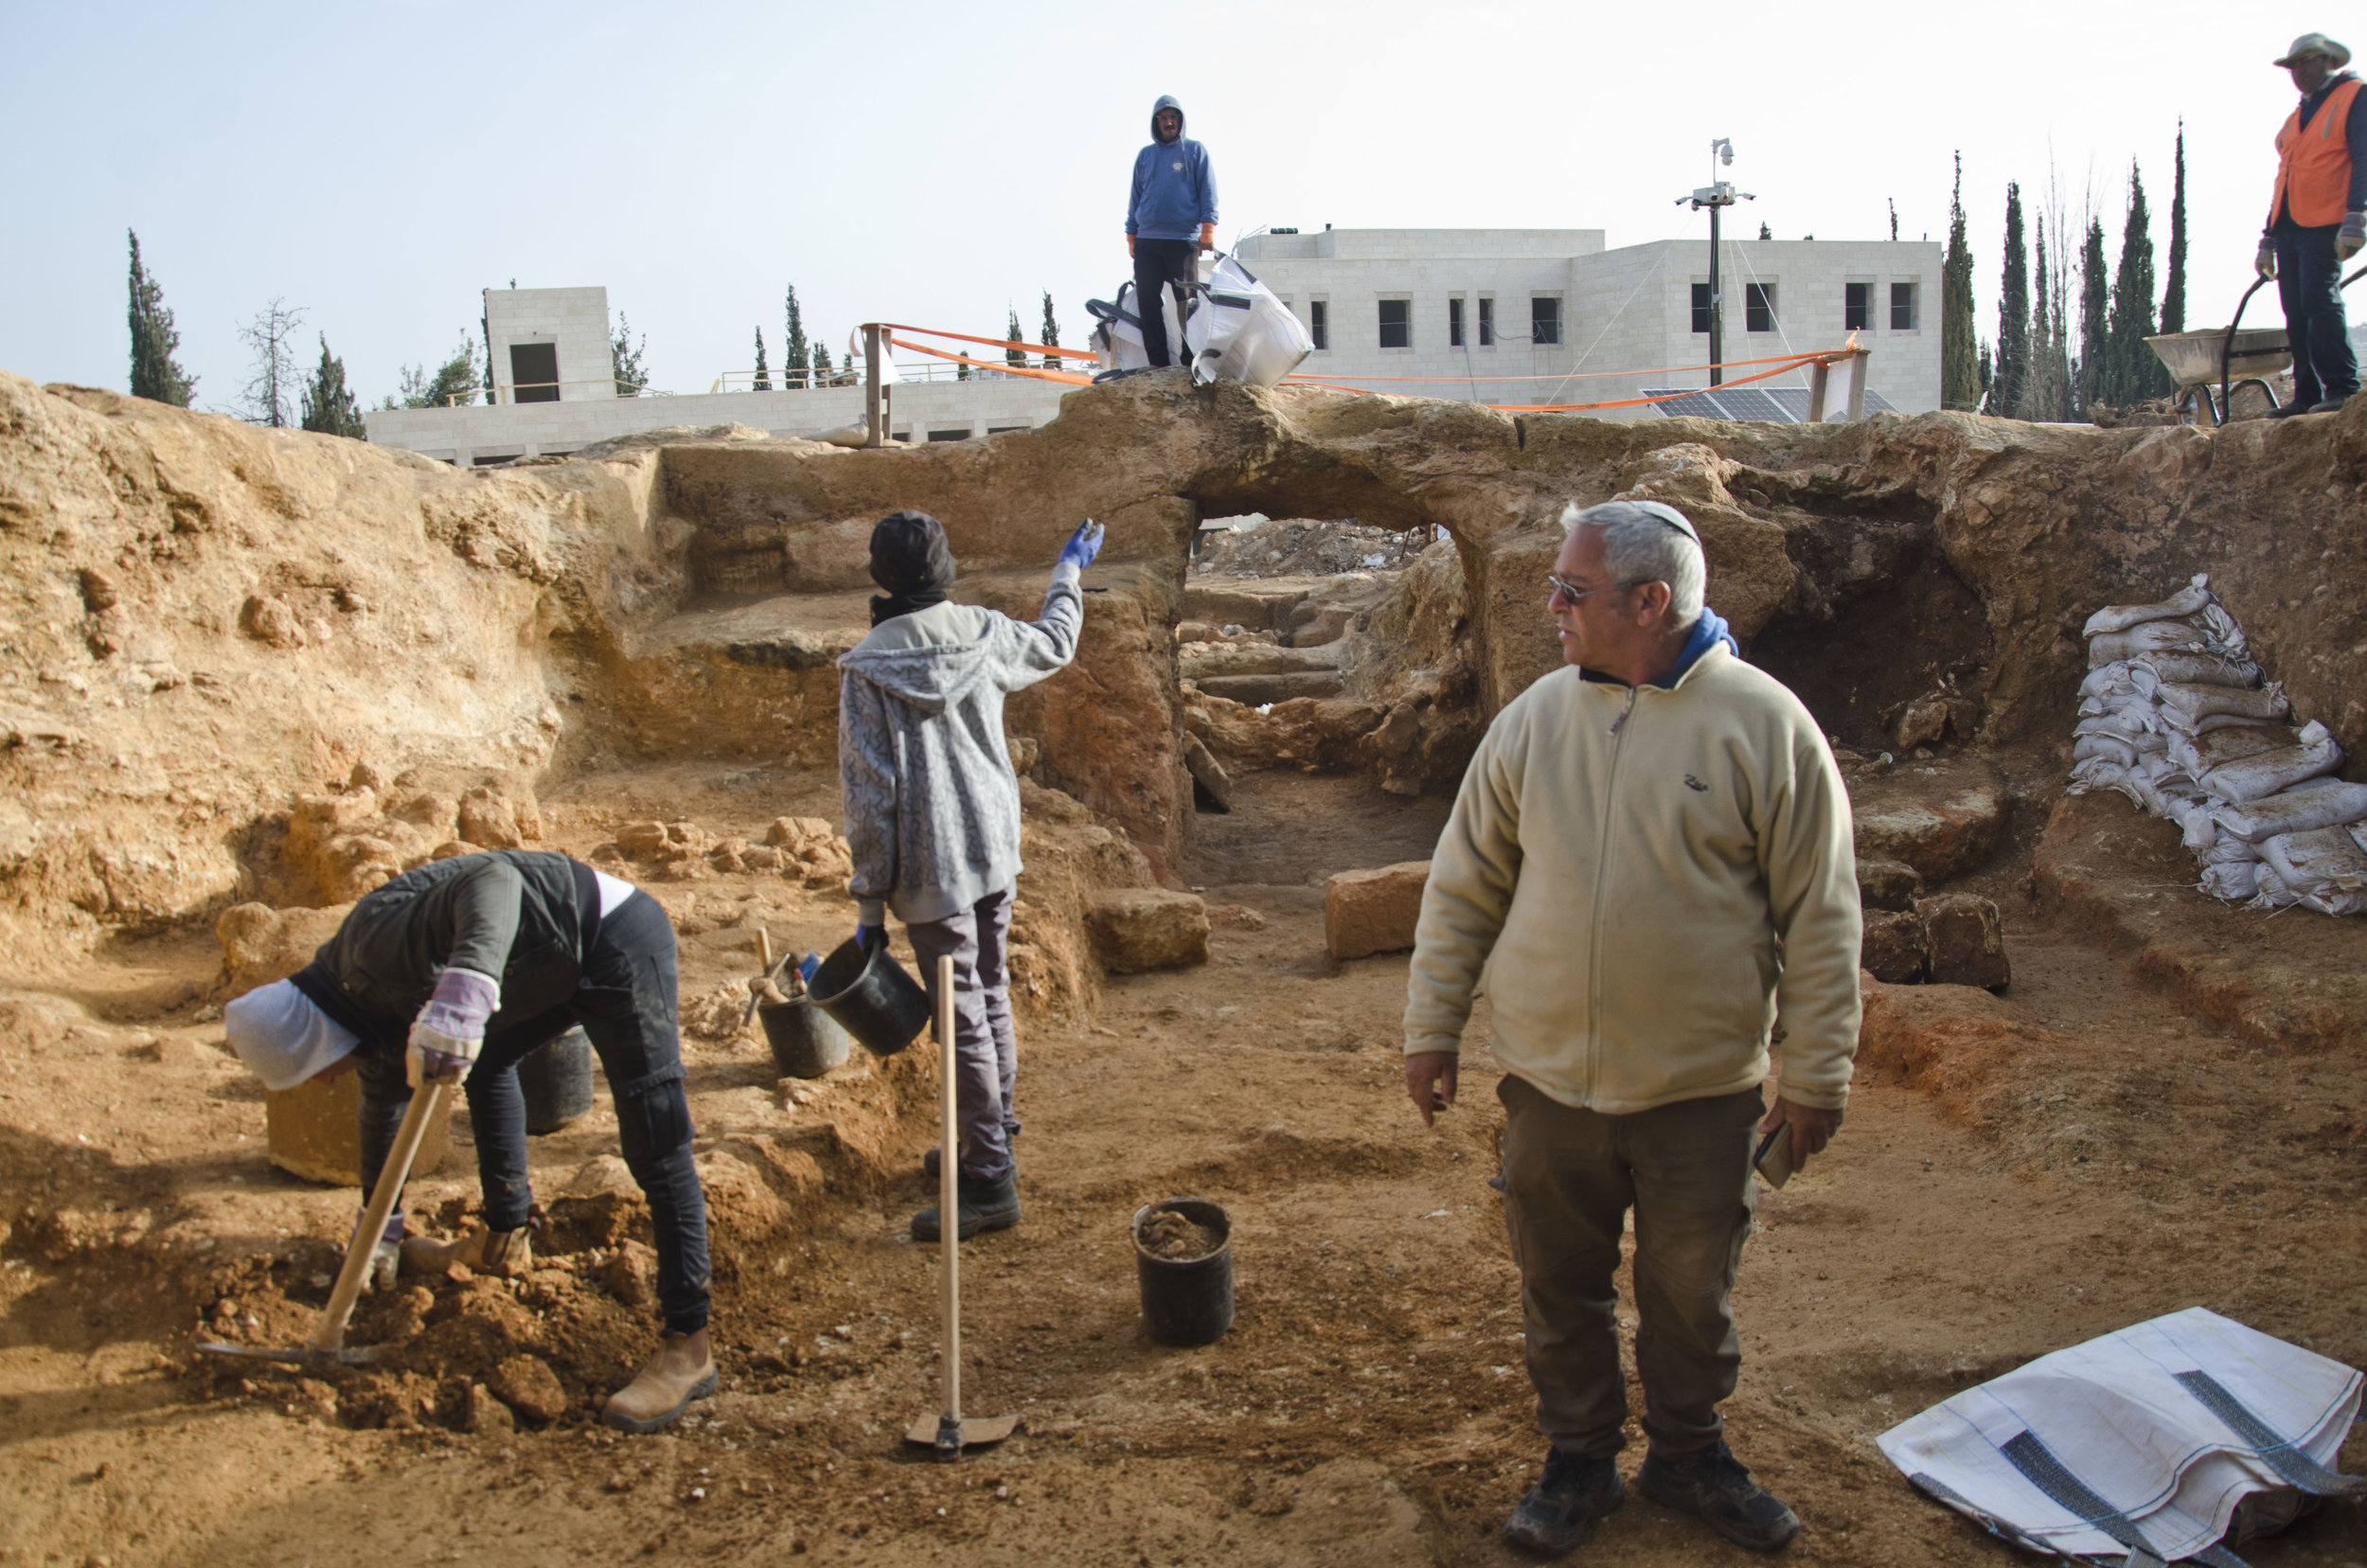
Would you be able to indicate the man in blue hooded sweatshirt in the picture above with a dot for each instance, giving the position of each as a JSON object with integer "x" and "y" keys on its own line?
{"x": 1171, "y": 218}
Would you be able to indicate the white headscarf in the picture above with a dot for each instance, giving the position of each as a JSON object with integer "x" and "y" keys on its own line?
{"x": 282, "y": 1036}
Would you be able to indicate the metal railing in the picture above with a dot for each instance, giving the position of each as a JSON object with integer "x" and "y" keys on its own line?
{"x": 852, "y": 375}
{"x": 509, "y": 393}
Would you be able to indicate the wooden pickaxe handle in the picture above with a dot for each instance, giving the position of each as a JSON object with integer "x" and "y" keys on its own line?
{"x": 427, "y": 1103}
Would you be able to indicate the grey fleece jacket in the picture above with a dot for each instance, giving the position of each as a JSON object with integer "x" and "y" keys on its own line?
{"x": 925, "y": 779}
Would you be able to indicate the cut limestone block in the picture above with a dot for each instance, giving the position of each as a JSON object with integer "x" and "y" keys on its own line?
{"x": 1208, "y": 772}
{"x": 1147, "y": 928}
{"x": 1944, "y": 820}
{"x": 1897, "y": 946}
{"x": 313, "y": 1131}
{"x": 1369, "y": 912}
{"x": 1888, "y": 884}
{"x": 1967, "y": 941}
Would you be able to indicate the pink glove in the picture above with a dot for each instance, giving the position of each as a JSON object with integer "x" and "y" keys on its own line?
{"x": 446, "y": 1035}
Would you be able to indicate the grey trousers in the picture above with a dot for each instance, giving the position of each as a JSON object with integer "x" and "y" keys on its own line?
{"x": 978, "y": 941}
{"x": 1570, "y": 1178}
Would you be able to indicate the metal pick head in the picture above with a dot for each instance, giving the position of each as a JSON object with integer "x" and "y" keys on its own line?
{"x": 294, "y": 1355}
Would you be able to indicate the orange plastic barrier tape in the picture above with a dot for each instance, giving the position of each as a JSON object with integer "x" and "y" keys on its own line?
{"x": 1004, "y": 368}
{"x": 991, "y": 343}
{"x": 1598, "y": 375}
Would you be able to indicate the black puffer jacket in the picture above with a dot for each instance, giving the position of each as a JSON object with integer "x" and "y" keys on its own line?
{"x": 527, "y": 918}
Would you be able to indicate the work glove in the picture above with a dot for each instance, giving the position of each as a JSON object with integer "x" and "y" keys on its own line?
{"x": 2265, "y": 262}
{"x": 866, "y": 937}
{"x": 1208, "y": 236}
{"x": 1083, "y": 545}
{"x": 446, "y": 1035}
{"x": 385, "y": 1256}
{"x": 1130, "y": 244}
{"x": 2354, "y": 237}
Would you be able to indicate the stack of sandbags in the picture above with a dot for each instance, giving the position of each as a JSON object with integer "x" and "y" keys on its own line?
{"x": 2173, "y": 714}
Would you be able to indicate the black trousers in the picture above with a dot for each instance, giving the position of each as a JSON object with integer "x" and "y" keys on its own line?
{"x": 1159, "y": 263}
{"x": 626, "y": 1003}
{"x": 2309, "y": 284}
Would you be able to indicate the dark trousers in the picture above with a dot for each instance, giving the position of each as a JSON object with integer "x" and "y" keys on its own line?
{"x": 626, "y": 1003}
{"x": 1158, "y": 265}
{"x": 1570, "y": 1178}
{"x": 985, "y": 1056}
{"x": 2309, "y": 284}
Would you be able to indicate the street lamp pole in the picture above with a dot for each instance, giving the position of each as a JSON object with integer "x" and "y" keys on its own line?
{"x": 1718, "y": 196}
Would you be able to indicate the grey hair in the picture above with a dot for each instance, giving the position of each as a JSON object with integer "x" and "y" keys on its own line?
{"x": 1648, "y": 542}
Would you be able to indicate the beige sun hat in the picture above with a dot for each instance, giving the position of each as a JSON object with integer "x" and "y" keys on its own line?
{"x": 2316, "y": 43}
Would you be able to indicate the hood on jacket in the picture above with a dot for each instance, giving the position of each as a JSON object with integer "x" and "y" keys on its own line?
{"x": 1166, "y": 101}
{"x": 931, "y": 678}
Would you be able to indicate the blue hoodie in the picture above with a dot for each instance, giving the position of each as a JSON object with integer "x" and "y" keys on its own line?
{"x": 1175, "y": 190}
{"x": 1707, "y": 633}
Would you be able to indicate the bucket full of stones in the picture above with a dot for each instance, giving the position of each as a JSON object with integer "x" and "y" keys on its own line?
{"x": 1184, "y": 1260}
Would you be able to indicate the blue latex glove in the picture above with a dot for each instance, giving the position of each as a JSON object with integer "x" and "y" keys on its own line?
{"x": 866, "y": 937}
{"x": 1083, "y": 545}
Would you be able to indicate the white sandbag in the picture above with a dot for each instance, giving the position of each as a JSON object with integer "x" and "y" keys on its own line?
{"x": 2142, "y": 712}
{"x": 2097, "y": 773}
{"x": 2326, "y": 868}
{"x": 2162, "y": 636}
{"x": 2191, "y": 703}
{"x": 2226, "y": 637}
{"x": 2257, "y": 778}
{"x": 2312, "y": 804}
{"x": 2120, "y": 617}
{"x": 2227, "y": 849}
{"x": 2221, "y": 721}
{"x": 2199, "y": 754}
{"x": 2195, "y": 827}
{"x": 2235, "y": 880}
{"x": 2107, "y": 747}
{"x": 2193, "y": 670}
{"x": 2116, "y": 677}
{"x": 2269, "y": 893}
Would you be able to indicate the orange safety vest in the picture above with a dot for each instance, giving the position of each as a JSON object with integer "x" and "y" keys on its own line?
{"x": 2314, "y": 169}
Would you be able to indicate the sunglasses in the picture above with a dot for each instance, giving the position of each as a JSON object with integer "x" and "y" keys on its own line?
{"x": 1570, "y": 594}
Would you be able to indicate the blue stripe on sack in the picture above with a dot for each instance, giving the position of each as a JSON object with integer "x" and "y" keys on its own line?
{"x": 2279, "y": 1453}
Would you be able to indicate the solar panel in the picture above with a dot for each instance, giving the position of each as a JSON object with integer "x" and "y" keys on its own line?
{"x": 1773, "y": 405}
{"x": 1749, "y": 402}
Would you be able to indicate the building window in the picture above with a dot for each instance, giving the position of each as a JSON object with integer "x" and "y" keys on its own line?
{"x": 1455, "y": 323}
{"x": 534, "y": 372}
{"x": 1397, "y": 326}
{"x": 961, "y": 435}
{"x": 1857, "y": 307}
{"x": 1319, "y": 323}
{"x": 1903, "y": 307}
{"x": 1758, "y": 307}
{"x": 1487, "y": 322}
{"x": 1701, "y": 308}
{"x": 1544, "y": 320}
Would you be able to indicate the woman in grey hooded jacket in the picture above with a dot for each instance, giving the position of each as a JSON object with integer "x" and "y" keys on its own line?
{"x": 932, "y": 808}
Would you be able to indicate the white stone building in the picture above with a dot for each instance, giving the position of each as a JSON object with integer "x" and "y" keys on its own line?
{"x": 553, "y": 394}
{"x": 1481, "y": 313}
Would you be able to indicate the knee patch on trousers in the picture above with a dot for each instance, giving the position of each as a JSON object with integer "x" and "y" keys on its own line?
{"x": 653, "y": 1123}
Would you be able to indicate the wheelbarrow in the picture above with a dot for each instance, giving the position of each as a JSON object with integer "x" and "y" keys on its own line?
{"x": 2228, "y": 356}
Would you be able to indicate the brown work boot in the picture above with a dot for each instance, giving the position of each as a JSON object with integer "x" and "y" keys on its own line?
{"x": 508, "y": 1253}
{"x": 683, "y": 1370}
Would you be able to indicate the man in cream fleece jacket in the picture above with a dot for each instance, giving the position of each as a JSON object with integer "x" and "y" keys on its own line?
{"x": 1649, "y": 860}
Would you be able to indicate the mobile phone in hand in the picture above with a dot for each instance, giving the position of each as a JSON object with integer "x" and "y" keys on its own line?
{"x": 1773, "y": 1160}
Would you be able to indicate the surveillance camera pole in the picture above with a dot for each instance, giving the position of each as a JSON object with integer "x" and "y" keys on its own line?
{"x": 1717, "y": 195}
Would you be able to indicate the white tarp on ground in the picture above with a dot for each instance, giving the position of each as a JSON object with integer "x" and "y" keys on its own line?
{"x": 2122, "y": 1417}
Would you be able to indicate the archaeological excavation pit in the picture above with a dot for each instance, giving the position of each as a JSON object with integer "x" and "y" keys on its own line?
{"x": 246, "y": 675}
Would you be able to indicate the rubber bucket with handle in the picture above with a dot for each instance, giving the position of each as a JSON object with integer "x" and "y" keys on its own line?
{"x": 1187, "y": 1300}
{"x": 807, "y": 1041}
{"x": 871, "y": 997}
{"x": 555, "y": 1080}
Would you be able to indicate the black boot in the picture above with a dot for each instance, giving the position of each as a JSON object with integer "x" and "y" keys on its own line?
{"x": 1714, "y": 1486}
{"x": 983, "y": 1206}
{"x": 1573, "y": 1493}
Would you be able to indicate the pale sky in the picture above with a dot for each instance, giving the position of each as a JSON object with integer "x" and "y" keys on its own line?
{"x": 936, "y": 162}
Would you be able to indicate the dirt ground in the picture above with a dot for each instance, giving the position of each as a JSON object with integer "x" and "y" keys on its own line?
{"x": 2016, "y": 1175}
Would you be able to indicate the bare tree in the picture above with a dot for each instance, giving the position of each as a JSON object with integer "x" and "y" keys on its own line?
{"x": 270, "y": 393}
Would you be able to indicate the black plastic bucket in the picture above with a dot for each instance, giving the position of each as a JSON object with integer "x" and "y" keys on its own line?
{"x": 1186, "y": 1300}
{"x": 555, "y": 1079}
{"x": 871, "y": 996}
{"x": 807, "y": 1041}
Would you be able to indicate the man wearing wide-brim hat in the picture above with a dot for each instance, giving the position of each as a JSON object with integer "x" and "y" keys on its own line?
{"x": 2318, "y": 220}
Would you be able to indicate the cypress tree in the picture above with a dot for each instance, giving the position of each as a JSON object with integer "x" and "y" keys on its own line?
{"x": 624, "y": 360}
{"x": 2174, "y": 286}
{"x": 796, "y": 354}
{"x": 155, "y": 373}
{"x": 329, "y": 407}
{"x": 2013, "y": 315}
{"x": 1960, "y": 352}
{"x": 822, "y": 362}
{"x": 456, "y": 374}
{"x": 2124, "y": 380}
{"x": 1051, "y": 333}
{"x": 1012, "y": 356}
{"x": 764, "y": 378}
{"x": 2093, "y": 297}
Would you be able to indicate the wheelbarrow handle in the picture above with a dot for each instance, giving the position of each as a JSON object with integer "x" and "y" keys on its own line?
{"x": 2227, "y": 343}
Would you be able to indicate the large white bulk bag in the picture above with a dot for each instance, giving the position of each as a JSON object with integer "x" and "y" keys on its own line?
{"x": 1251, "y": 335}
